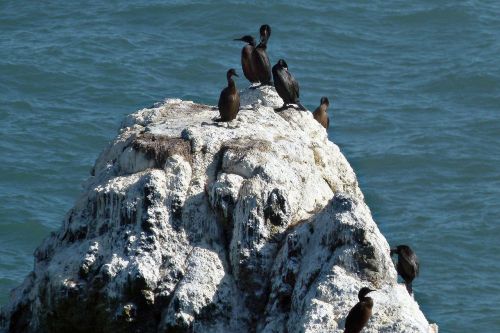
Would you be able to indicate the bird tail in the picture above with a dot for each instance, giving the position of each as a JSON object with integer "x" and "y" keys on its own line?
{"x": 301, "y": 107}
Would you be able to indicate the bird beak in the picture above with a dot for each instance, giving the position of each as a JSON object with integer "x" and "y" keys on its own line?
{"x": 235, "y": 75}
{"x": 240, "y": 39}
{"x": 373, "y": 290}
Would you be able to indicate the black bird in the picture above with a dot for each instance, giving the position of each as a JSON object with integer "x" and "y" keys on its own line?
{"x": 320, "y": 114}
{"x": 407, "y": 266}
{"x": 360, "y": 313}
{"x": 286, "y": 85}
{"x": 260, "y": 60}
{"x": 229, "y": 100}
{"x": 246, "y": 58}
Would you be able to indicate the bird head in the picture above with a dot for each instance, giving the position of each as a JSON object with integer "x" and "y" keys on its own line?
{"x": 248, "y": 39}
{"x": 230, "y": 73}
{"x": 325, "y": 101}
{"x": 399, "y": 249}
{"x": 265, "y": 32}
{"x": 363, "y": 292}
{"x": 282, "y": 63}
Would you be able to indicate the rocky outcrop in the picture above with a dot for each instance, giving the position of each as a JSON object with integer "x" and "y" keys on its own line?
{"x": 192, "y": 225}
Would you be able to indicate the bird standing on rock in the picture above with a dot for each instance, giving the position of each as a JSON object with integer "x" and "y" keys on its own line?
{"x": 246, "y": 58}
{"x": 229, "y": 100}
{"x": 320, "y": 114}
{"x": 260, "y": 60}
{"x": 286, "y": 85}
{"x": 408, "y": 266}
{"x": 360, "y": 314}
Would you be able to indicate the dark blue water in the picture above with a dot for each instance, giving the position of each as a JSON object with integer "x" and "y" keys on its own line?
{"x": 415, "y": 90}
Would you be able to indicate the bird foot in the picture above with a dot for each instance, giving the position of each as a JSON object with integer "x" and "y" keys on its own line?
{"x": 299, "y": 107}
{"x": 284, "y": 107}
{"x": 222, "y": 121}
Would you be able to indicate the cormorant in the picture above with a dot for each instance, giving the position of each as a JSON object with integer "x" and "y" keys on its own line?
{"x": 320, "y": 113}
{"x": 246, "y": 58}
{"x": 407, "y": 266}
{"x": 229, "y": 100}
{"x": 360, "y": 313}
{"x": 260, "y": 60}
{"x": 286, "y": 85}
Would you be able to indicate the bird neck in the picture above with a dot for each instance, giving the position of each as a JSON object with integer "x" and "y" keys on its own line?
{"x": 368, "y": 301}
{"x": 323, "y": 108}
{"x": 230, "y": 82}
{"x": 262, "y": 45}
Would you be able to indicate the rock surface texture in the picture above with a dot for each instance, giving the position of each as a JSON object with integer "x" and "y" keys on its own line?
{"x": 192, "y": 225}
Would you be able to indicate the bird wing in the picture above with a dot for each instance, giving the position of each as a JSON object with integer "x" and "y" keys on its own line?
{"x": 280, "y": 83}
{"x": 349, "y": 320}
{"x": 355, "y": 320}
{"x": 246, "y": 63}
{"x": 316, "y": 113}
{"x": 410, "y": 260}
{"x": 223, "y": 93}
{"x": 291, "y": 86}
{"x": 264, "y": 59}
{"x": 262, "y": 64}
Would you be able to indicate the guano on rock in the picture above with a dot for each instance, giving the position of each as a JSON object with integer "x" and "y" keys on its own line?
{"x": 191, "y": 225}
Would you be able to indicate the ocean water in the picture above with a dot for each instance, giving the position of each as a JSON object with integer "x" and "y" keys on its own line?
{"x": 415, "y": 106}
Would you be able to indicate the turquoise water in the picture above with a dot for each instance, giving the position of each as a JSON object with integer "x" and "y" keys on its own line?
{"x": 415, "y": 90}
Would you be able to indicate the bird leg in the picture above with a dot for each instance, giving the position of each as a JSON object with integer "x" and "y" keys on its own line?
{"x": 409, "y": 288}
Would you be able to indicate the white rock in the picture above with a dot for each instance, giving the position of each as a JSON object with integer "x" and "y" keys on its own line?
{"x": 188, "y": 224}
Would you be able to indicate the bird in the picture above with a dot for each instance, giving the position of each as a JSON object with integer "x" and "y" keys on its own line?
{"x": 408, "y": 266}
{"x": 260, "y": 59}
{"x": 229, "y": 100}
{"x": 286, "y": 85}
{"x": 360, "y": 313}
{"x": 246, "y": 58}
{"x": 320, "y": 114}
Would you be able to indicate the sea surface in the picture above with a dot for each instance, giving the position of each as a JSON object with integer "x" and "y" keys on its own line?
{"x": 415, "y": 107}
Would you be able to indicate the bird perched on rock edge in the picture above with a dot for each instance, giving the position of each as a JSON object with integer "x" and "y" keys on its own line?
{"x": 286, "y": 85}
{"x": 408, "y": 266}
{"x": 260, "y": 60}
{"x": 246, "y": 58}
{"x": 361, "y": 312}
{"x": 321, "y": 114}
{"x": 229, "y": 100}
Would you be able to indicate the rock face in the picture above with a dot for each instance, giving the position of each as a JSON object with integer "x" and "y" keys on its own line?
{"x": 192, "y": 225}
